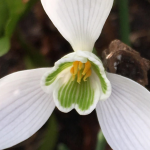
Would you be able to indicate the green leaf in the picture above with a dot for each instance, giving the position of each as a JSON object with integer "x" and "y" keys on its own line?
{"x": 16, "y": 7}
{"x": 10, "y": 13}
{"x": 124, "y": 21}
{"x": 16, "y": 10}
{"x": 51, "y": 135}
{"x": 4, "y": 45}
{"x": 33, "y": 59}
{"x": 101, "y": 141}
{"x": 4, "y": 14}
{"x": 29, "y": 63}
{"x": 62, "y": 146}
{"x": 10, "y": 26}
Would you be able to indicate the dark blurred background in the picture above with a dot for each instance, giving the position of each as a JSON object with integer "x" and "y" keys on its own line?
{"x": 28, "y": 39}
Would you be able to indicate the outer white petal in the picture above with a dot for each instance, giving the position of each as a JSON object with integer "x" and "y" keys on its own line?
{"x": 24, "y": 107}
{"x": 79, "y": 21}
{"x": 125, "y": 116}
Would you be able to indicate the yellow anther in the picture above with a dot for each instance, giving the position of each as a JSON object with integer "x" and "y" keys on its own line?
{"x": 80, "y": 70}
{"x": 72, "y": 70}
{"x": 79, "y": 77}
{"x": 75, "y": 65}
{"x": 80, "y": 65}
{"x": 88, "y": 74}
{"x": 87, "y": 67}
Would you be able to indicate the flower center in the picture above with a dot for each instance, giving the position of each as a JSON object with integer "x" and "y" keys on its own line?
{"x": 81, "y": 70}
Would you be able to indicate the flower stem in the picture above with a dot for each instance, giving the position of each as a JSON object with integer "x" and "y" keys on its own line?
{"x": 101, "y": 141}
{"x": 124, "y": 20}
{"x": 51, "y": 135}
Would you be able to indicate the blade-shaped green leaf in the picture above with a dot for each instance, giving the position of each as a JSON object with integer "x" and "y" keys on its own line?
{"x": 51, "y": 135}
{"x": 101, "y": 141}
{"x": 16, "y": 9}
{"x": 4, "y": 14}
{"x": 4, "y": 45}
{"x": 10, "y": 13}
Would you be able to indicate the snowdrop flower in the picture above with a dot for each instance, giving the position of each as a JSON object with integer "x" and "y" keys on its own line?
{"x": 77, "y": 81}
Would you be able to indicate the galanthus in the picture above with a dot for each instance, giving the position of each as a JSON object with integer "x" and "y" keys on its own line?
{"x": 77, "y": 81}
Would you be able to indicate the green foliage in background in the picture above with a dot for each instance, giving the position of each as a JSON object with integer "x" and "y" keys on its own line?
{"x": 124, "y": 21}
{"x": 33, "y": 58}
{"x": 11, "y": 12}
{"x": 51, "y": 135}
{"x": 62, "y": 146}
{"x": 101, "y": 141}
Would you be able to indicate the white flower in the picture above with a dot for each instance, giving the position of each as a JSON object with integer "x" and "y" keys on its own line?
{"x": 78, "y": 80}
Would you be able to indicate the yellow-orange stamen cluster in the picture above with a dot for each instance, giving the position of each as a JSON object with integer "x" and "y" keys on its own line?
{"x": 81, "y": 70}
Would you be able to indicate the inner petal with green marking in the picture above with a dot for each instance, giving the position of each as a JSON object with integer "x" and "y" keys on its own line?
{"x": 81, "y": 91}
{"x": 78, "y": 85}
{"x": 81, "y": 94}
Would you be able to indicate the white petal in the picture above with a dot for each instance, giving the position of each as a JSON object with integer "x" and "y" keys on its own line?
{"x": 24, "y": 107}
{"x": 125, "y": 116}
{"x": 79, "y": 21}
